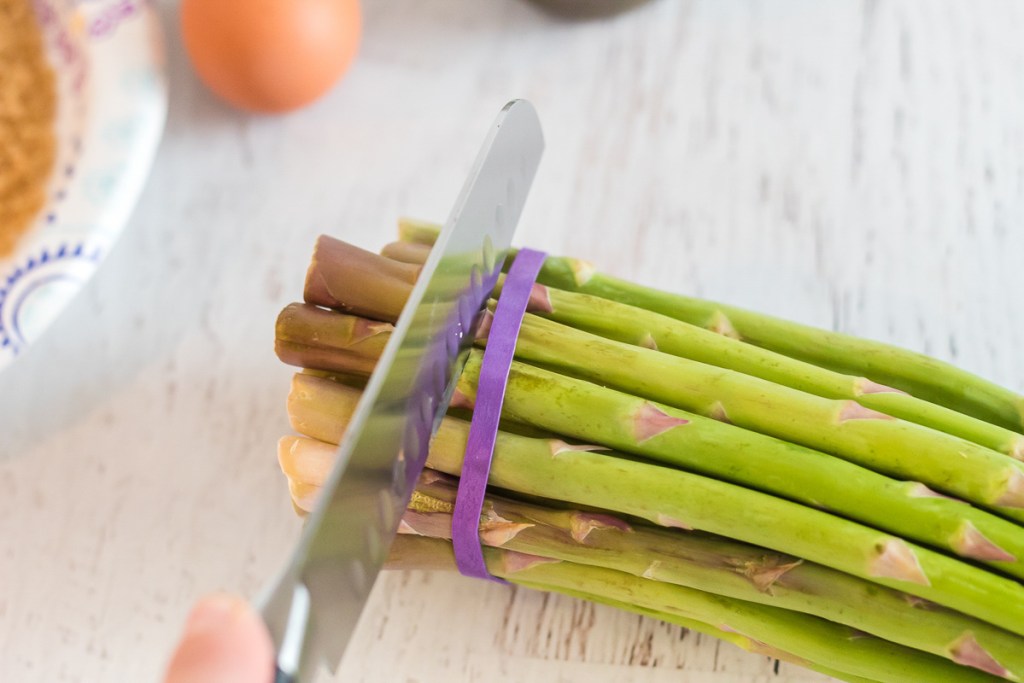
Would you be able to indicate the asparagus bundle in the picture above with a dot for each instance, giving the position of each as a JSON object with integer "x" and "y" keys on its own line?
{"x": 914, "y": 373}
{"x": 862, "y": 531}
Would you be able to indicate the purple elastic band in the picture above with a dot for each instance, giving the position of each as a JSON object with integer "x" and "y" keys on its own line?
{"x": 490, "y": 395}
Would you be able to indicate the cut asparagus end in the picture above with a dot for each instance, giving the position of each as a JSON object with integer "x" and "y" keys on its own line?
{"x": 344, "y": 277}
{"x": 315, "y": 404}
{"x": 312, "y": 337}
{"x": 305, "y": 460}
{"x": 406, "y": 252}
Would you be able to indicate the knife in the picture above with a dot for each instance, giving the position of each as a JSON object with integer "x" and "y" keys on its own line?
{"x": 312, "y": 608}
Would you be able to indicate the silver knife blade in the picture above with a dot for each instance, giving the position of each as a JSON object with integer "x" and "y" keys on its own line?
{"x": 313, "y": 608}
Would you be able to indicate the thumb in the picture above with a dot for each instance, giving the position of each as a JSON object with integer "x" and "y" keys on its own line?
{"x": 225, "y": 641}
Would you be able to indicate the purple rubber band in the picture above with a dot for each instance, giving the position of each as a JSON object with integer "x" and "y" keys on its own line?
{"x": 490, "y": 395}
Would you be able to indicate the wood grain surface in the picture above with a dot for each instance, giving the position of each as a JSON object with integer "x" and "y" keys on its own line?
{"x": 856, "y": 165}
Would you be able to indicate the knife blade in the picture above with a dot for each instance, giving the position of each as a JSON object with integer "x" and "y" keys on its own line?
{"x": 313, "y": 607}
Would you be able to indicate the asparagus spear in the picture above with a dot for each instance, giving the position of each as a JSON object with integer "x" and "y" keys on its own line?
{"x": 915, "y": 373}
{"x": 600, "y": 415}
{"x": 641, "y": 327}
{"x": 552, "y": 469}
{"x": 420, "y": 553}
{"x": 713, "y": 565}
{"x": 637, "y": 326}
{"x": 810, "y": 638}
{"x": 843, "y": 428}
{"x": 300, "y": 328}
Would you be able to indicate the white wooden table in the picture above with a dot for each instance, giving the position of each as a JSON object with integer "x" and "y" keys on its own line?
{"x": 854, "y": 165}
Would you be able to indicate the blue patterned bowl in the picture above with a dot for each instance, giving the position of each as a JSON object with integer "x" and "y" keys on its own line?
{"x": 112, "y": 100}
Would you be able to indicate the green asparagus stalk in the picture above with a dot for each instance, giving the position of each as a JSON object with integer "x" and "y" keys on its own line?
{"x": 915, "y": 373}
{"x": 553, "y": 469}
{"x": 843, "y": 428}
{"x": 414, "y": 553}
{"x": 803, "y": 531}
{"x": 599, "y": 415}
{"x": 840, "y": 427}
{"x": 641, "y": 327}
{"x": 709, "y": 564}
{"x": 810, "y": 638}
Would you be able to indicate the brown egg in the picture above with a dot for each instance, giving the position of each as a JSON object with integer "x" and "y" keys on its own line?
{"x": 270, "y": 55}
